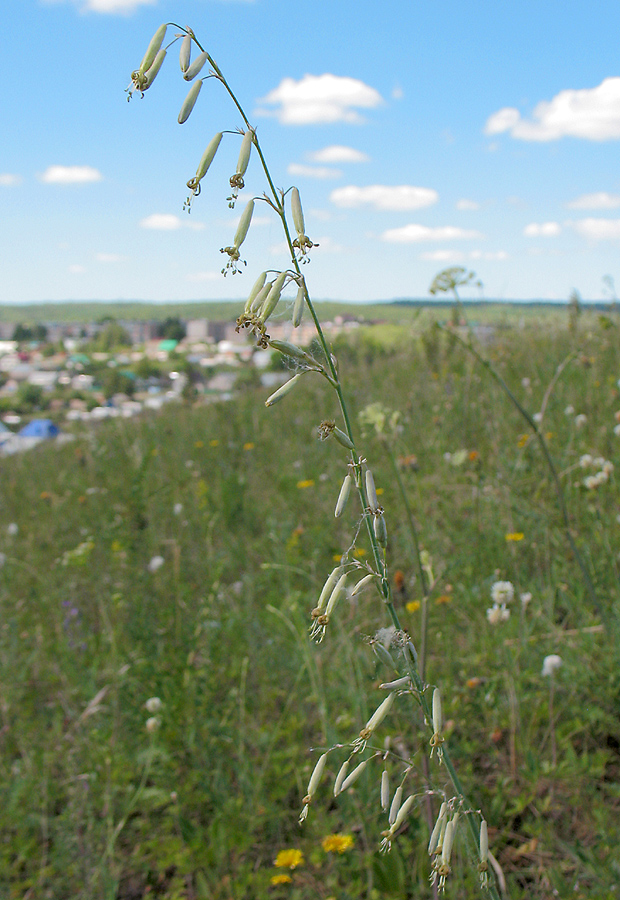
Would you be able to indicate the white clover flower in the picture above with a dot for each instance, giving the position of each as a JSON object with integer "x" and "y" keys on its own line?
{"x": 585, "y": 461}
{"x": 598, "y": 461}
{"x": 608, "y": 467}
{"x": 502, "y": 592}
{"x": 580, "y": 420}
{"x": 497, "y": 614}
{"x": 525, "y": 382}
{"x": 569, "y": 411}
{"x": 177, "y": 509}
{"x": 155, "y": 563}
{"x": 12, "y": 529}
{"x": 538, "y": 417}
{"x": 153, "y": 704}
{"x": 152, "y": 724}
{"x": 550, "y": 664}
{"x": 591, "y": 482}
{"x": 525, "y": 599}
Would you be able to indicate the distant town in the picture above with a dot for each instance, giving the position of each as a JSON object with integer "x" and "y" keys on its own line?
{"x": 61, "y": 373}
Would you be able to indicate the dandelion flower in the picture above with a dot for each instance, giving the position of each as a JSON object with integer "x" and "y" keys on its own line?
{"x": 282, "y": 878}
{"x": 289, "y": 859}
{"x": 514, "y": 536}
{"x": 306, "y": 483}
{"x": 413, "y": 606}
{"x": 337, "y": 843}
{"x": 550, "y": 664}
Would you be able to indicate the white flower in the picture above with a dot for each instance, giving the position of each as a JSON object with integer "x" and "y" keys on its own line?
{"x": 569, "y": 411}
{"x": 177, "y": 509}
{"x": 525, "y": 598}
{"x": 152, "y": 724}
{"x": 538, "y": 417}
{"x": 153, "y": 704}
{"x": 598, "y": 461}
{"x": 580, "y": 420}
{"x": 497, "y": 614}
{"x": 12, "y": 529}
{"x": 550, "y": 664}
{"x": 502, "y": 592}
{"x": 608, "y": 467}
{"x": 525, "y": 382}
{"x": 155, "y": 563}
{"x": 585, "y": 460}
{"x": 591, "y": 482}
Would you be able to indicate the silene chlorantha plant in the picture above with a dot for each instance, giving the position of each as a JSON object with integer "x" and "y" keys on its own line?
{"x": 456, "y": 816}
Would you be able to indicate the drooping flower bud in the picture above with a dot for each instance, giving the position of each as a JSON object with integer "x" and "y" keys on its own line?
{"x": 343, "y": 439}
{"x": 208, "y": 156}
{"x": 403, "y": 812}
{"x": 189, "y": 102}
{"x": 150, "y": 74}
{"x": 379, "y": 714}
{"x": 256, "y": 289}
{"x": 385, "y": 789}
{"x": 343, "y": 496}
{"x": 298, "y": 307}
{"x": 297, "y": 212}
{"x": 292, "y": 350}
{"x": 313, "y": 784}
{"x": 196, "y": 66}
{"x": 340, "y": 777}
{"x": 185, "y": 52}
{"x": 336, "y": 594}
{"x": 261, "y": 297}
{"x": 355, "y": 774}
{"x": 153, "y": 49}
{"x": 273, "y": 297}
{"x": 359, "y": 587}
{"x": 395, "y": 805}
{"x": 244, "y": 224}
{"x": 442, "y": 819}
{"x": 244, "y": 153}
{"x": 380, "y": 530}
{"x": 371, "y": 491}
{"x": 328, "y": 587}
{"x": 283, "y": 391}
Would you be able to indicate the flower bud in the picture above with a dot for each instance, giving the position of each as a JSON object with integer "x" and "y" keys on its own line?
{"x": 244, "y": 224}
{"x": 380, "y": 530}
{"x": 340, "y": 777}
{"x": 436, "y": 832}
{"x": 154, "y": 69}
{"x": 283, "y": 391}
{"x": 196, "y": 66}
{"x": 244, "y": 153}
{"x": 371, "y": 492}
{"x": 328, "y": 587}
{"x": 484, "y": 841}
{"x": 385, "y": 789}
{"x": 395, "y": 805}
{"x": 448, "y": 840}
{"x": 343, "y": 439}
{"x": 291, "y": 350}
{"x": 296, "y": 210}
{"x": 336, "y": 595}
{"x": 359, "y": 587}
{"x": 260, "y": 298}
{"x": 403, "y": 812}
{"x": 208, "y": 156}
{"x": 397, "y": 684}
{"x": 185, "y": 52}
{"x": 153, "y": 48}
{"x": 298, "y": 307}
{"x": 343, "y": 496}
{"x": 316, "y": 774}
{"x": 380, "y": 713}
{"x": 437, "y": 712}
{"x": 256, "y": 289}
{"x": 273, "y": 297}
{"x": 355, "y": 774}
{"x": 189, "y": 102}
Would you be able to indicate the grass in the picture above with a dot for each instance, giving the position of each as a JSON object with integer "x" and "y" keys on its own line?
{"x": 97, "y": 807}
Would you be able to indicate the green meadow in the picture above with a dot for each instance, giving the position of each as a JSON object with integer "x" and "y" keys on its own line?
{"x": 178, "y": 557}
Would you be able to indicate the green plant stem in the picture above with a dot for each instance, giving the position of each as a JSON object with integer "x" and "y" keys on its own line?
{"x": 550, "y": 464}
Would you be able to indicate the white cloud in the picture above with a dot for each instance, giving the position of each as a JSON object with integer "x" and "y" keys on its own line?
{"x": 597, "y": 229}
{"x": 161, "y": 222}
{"x": 107, "y": 6}
{"x": 337, "y": 153}
{"x": 313, "y": 171}
{"x": 7, "y": 179}
{"x": 319, "y": 98}
{"x": 542, "y": 229}
{"x": 381, "y": 196}
{"x": 599, "y": 200}
{"x": 169, "y": 222}
{"x": 443, "y": 255}
{"x": 415, "y": 234}
{"x": 197, "y": 277}
{"x": 489, "y": 255}
{"x": 76, "y": 269}
{"x": 465, "y": 204}
{"x": 70, "y": 175}
{"x": 590, "y": 113}
{"x": 109, "y": 257}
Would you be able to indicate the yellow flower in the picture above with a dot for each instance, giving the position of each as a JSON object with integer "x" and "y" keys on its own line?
{"x": 337, "y": 843}
{"x": 378, "y": 491}
{"x": 514, "y": 536}
{"x": 524, "y": 438}
{"x": 548, "y": 435}
{"x": 306, "y": 483}
{"x": 198, "y": 444}
{"x": 443, "y": 598}
{"x": 337, "y": 557}
{"x": 249, "y": 445}
{"x": 214, "y": 443}
{"x": 359, "y": 552}
{"x": 413, "y": 606}
{"x": 281, "y": 879}
{"x": 289, "y": 859}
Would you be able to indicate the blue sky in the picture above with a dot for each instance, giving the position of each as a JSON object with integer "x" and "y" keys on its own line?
{"x": 421, "y": 134}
